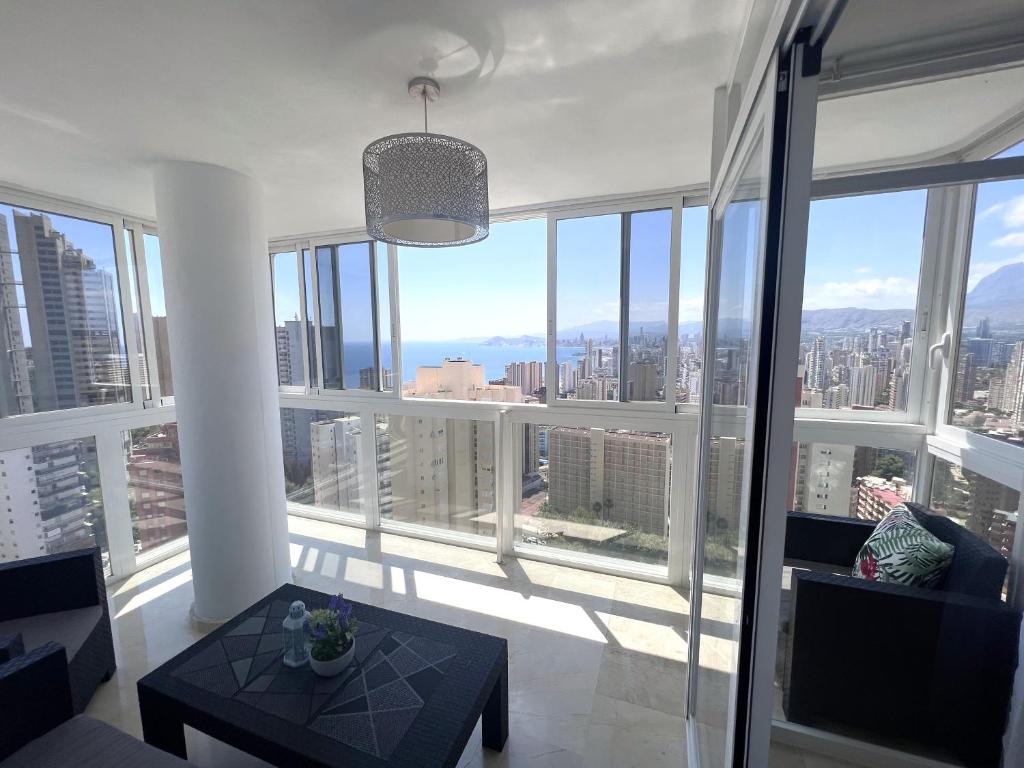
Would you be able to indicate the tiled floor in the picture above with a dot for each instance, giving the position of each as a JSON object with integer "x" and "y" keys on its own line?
{"x": 597, "y": 663}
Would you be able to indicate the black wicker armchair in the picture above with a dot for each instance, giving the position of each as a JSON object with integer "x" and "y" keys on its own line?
{"x": 62, "y": 598}
{"x": 930, "y": 669}
{"x": 40, "y": 728}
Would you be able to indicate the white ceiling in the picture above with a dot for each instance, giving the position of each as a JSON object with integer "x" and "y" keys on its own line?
{"x": 915, "y": 123}
{"x": 569, "y": 98}
{"x": 921, "y": 121}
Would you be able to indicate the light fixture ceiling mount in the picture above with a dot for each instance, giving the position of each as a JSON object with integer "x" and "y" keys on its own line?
{"x": 425, "y": 189}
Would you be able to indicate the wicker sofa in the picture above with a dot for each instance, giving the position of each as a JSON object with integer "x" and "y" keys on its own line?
{"x": 924, "y": 669}
{"x": 61, "y": 598}
{"x": 40, "y": 728}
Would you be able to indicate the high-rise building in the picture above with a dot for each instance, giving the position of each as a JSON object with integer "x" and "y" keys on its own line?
{"x": 1013, "y": 390}
{"x": 458, "y": 379}
{"x": 725, "y": 482}
{"x": 905, "y": 330}
{"x": 863, "y": 383}
{"x": 529, "y": 377}
{"x": 438, "y": 472}
{"x": 45, "y": 495}
{"x": 984, "y": 328}
{"x": 836, "y": 397}
{"x": 73, "y": 320}
{"x": 643, "y": 381}
{"x": 899, "y": 390}
{"x": 816, "y": 376}
{"x": 289, "y": 353}
{"x": 15, "y": 382}
{"x": 965, "y": 378}
{"x": 155, "y": 485}
{"x": 876, "y": 496}
{"x": 617, "y": 476}
{"x": 334, "y": 461}
{"x": 823, "y": 478}
{"x": 566, "y": 377}
{"x": 163, "y": 355}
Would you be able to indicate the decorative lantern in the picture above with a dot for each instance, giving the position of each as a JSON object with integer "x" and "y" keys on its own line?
{"x": 294, "y": 626}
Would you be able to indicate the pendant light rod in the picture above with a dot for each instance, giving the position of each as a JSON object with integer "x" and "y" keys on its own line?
{"x": 426, "y": 88}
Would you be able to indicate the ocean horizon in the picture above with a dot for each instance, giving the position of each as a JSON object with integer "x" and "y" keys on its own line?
{"x": 418, "y": 353}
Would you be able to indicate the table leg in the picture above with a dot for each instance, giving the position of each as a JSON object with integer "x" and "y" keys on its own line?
{"x": 495, "y": 717}
{"x": 161, "y": 727}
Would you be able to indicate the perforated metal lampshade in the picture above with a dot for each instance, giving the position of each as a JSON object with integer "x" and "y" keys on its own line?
{"x": 425, "y": 189}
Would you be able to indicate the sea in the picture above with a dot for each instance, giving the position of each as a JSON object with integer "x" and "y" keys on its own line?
{"x": 492, "y": 357}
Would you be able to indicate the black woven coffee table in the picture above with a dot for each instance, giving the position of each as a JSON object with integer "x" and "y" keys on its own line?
{"x": 411, "y": 697}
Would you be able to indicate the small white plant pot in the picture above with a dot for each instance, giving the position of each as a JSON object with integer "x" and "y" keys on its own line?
{"x": 334, "y": 666}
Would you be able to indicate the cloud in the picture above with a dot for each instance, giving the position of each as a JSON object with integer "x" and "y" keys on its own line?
{"x": 992, "y": 210}
{"x": 871, "y": 293}
{"x": 982, "y": 269}
{"x": 1009, "y": 240}
{"x": 1012, "y": 211}
{"x": 864, "y": 270}
{"x": 691, "y": 309}
{"x": 1013, "y": 214}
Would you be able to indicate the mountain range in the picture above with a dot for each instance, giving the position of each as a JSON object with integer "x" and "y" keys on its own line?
{"x": 999, "y": 297}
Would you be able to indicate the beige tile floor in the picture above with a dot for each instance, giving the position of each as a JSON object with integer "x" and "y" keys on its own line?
{"x": 597, "y": 663}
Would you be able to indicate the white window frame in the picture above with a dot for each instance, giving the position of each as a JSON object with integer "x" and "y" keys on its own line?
{"x": 674, "y": 203}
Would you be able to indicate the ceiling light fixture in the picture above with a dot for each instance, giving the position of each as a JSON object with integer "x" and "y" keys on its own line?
{"x": 425, "y": 189}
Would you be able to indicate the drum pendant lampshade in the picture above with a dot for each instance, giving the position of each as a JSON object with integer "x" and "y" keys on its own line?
{"x": 425, "y": 189}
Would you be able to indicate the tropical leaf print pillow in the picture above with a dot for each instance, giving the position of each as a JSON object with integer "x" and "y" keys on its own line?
{"x": 901, "y": 550}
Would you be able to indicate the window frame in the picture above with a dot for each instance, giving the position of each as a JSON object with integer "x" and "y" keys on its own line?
{"x": 623, "y": 208}
{"x": 300, "y": 266}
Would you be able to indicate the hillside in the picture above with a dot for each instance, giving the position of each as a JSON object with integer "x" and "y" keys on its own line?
{"x": 999, "y": 297}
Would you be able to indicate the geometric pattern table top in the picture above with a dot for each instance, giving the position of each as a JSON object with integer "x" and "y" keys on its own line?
{"x": 411, "y": 696}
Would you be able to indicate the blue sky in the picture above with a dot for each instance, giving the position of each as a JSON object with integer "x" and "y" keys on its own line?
{"x": 862, "y": 251}
{"x": 97, "y": 240}
{"x": 998, "y": 229}
{"x": 498, "y": 287}
{"x": 865, "y": 251}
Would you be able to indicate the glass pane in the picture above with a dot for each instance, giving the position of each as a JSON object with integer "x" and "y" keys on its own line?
{"x": 140, "y": 336}
{"x": 437, "y": 472}
{"x": 51, "y": 501}
{"x": 387, "y": 363}
{"x": 330, "y": 334}
{"x": 356, "y": 289}
{"x": 321, "y": 459}
{"x": 155, "y": 275}
{"x": 860, "y": 300}
{"x": 60, "y": 314}
{"x": 650, "y": 253}
{"x": 596, "y": 491}
{"x": 156, "y": 494}
{"x": 694, "y": 256}
{"x": 287, "y": 325}
{"x": 985, "y": 507}
{"x": 988, "y": 385}
{"x": 481, "y": 309}
{"x": 726, "y": 506}
{"x": 589, "y": 253}
{"x": 310, "y": 296}
{"x": 850, "y": 481}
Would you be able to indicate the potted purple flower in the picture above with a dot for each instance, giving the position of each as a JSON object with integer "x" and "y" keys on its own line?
{"x": 333, "y": 634}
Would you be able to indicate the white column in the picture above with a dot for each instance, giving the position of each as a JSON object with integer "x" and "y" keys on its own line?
{"x": 220, "y": 324}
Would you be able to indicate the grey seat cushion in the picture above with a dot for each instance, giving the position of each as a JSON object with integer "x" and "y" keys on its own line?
{"x": 86, "y": 743}
{"x": 69, "y": 628}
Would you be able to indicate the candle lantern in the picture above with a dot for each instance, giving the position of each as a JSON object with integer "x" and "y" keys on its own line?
{"x": 294, "y": 627}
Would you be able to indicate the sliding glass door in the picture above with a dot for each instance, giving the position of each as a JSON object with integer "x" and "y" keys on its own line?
{"x": 755, "y": 278}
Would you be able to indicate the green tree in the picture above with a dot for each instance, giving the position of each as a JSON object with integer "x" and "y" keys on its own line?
{"x": 889, "y": 465}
